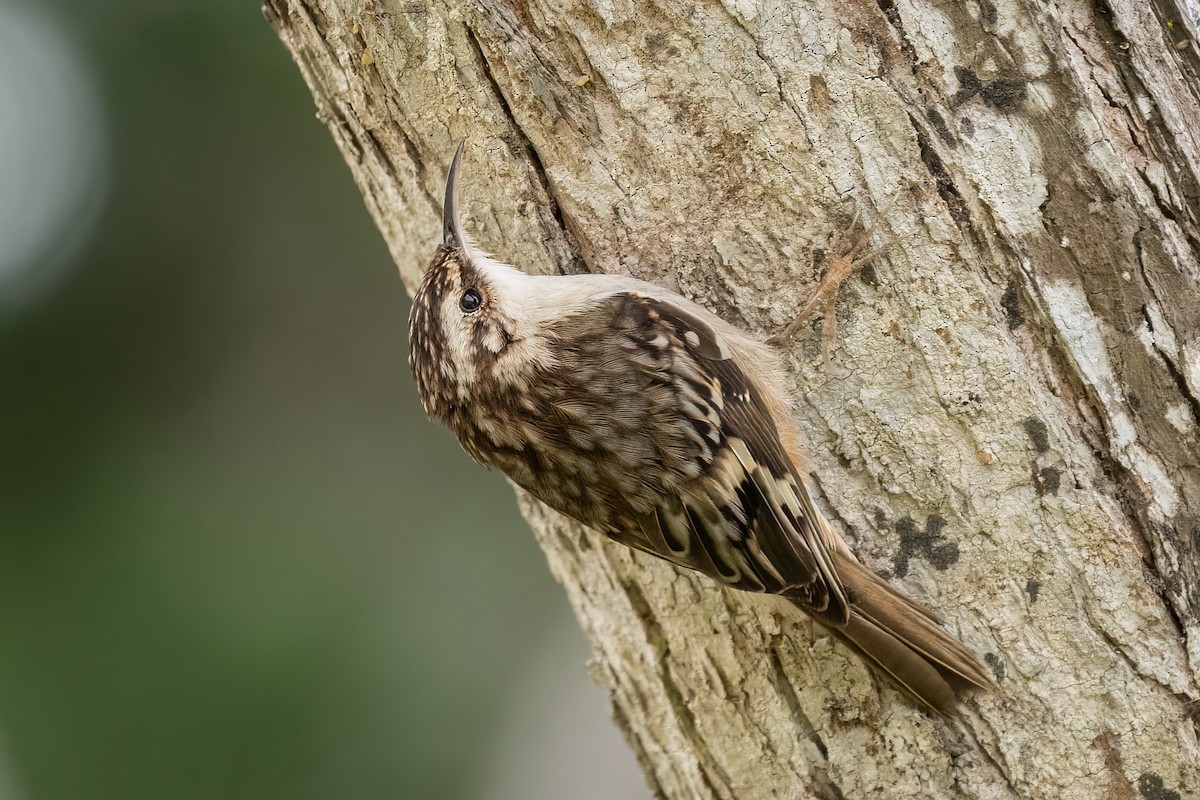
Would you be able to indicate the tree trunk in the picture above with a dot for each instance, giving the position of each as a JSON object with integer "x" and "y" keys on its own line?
{"x": 1008, "y": 425}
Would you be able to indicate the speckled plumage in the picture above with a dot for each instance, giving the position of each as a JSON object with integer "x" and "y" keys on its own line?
{"x": 649, "y": 419}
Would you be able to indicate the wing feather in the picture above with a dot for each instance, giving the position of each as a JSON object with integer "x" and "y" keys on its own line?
{"x": 747, "y": 513}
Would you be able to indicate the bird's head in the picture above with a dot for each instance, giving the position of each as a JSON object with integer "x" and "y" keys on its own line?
{"x": 466, "y": 316}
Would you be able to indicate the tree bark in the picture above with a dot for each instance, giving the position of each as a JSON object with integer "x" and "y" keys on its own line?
{"x": 1008, "y": 426}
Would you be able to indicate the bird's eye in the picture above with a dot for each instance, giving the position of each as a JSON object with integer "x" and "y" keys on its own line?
{"x": 470, "y": 301}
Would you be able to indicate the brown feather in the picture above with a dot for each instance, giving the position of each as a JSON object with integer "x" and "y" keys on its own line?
{"x": 902, "y": 640}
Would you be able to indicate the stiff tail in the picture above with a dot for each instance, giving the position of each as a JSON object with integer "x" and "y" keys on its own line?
{"x": 904, "y": 641}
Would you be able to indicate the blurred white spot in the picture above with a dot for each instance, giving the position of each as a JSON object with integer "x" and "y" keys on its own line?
{"x": 51, "y": 152}
{"x": 8, "y": 784}
{"x": 558, "y": 739}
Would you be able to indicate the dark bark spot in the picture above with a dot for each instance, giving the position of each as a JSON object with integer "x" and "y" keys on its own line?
{"x": 1037, "y": 432}
{"x": 868, "y": 275}
{"x": 941, "y": 176}
{"x": 987, "y": 12}
{"x": 818, "y": 257}
{"x": 1151, "y": 787}
{"x": 1004, "y": 94}
{"x": 969, "y": 85}
{"x": 888, "y": 7}
{"x": 998, "y": 668}
{"x": 966, "y": 127}
{"x": 1032, "y": 588}
{"x": 939, "y": 125}
{"x": 1048, "y": 480}
{"x": 659, "y": 47}
{"x": 929, "y": 544}
{"x": 1011, "y": 302}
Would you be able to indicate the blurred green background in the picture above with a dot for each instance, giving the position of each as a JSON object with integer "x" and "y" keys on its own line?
{"x": 235, "y": 560}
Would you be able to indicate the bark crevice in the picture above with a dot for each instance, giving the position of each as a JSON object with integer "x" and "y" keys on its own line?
{"x": 577, "y": 264}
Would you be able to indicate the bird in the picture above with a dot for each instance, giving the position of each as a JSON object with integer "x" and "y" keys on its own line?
{"x": 652, "y": 421}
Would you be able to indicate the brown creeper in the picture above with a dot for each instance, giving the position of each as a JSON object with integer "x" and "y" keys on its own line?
{"x": 649, "y": 419}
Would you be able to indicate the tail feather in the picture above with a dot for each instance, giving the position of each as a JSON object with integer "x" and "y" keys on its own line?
{"x": 903, "y": 641}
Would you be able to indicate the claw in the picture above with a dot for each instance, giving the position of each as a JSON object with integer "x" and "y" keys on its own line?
{"x": 844, "y": 262}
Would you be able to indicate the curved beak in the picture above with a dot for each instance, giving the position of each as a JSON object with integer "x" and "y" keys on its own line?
{"x": 451, "y": 214}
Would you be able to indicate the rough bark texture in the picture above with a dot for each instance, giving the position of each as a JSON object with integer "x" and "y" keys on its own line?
{"x": 1009, "y": 425}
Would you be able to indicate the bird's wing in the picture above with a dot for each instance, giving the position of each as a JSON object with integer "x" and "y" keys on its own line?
{"x": 744, "y": 515}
